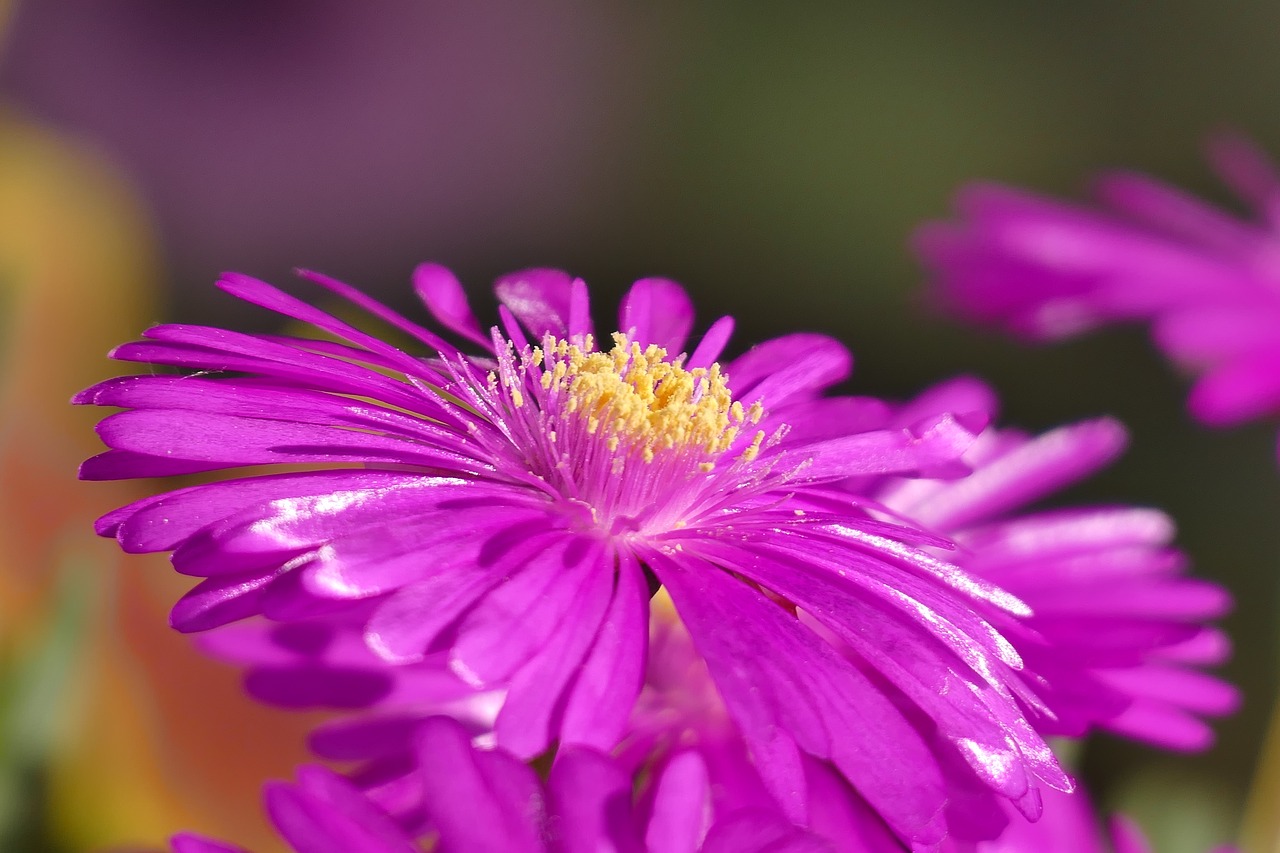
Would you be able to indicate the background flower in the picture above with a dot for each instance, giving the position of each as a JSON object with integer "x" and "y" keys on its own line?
{"x": 1209, "y": 282}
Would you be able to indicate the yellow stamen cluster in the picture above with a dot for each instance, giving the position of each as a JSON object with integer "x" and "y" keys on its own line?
{"x": 634, "y": 398}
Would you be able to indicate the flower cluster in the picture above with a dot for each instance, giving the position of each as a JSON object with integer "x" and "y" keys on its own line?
{"x": 638, "y": 595}
{"x": 1207, "y": 281}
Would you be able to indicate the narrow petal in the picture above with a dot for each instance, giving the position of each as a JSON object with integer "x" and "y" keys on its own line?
{"x": 406, "y": 624}
{"x": 681, "y": 813}
{"x": 530, "y": 717}
{"x": 161, "y": 523}
{"x": 323, "y": 813}
{"x": 657, "y": 311}
{"x": 539, "y": 298}
{"x": 218, "y": 441}
{"x": 220, "y": 600}
{"x": 264, "y": 400}
{"x": 440, "y": 291}
{"x": 377, "y": 309}
{"x": 589, "y": 797}
{"x": 519, "y": 617}
{"x": 811, "y": 421}
{"x": 712, "y": 343}
{"x": 962, "y": 395}
{"x": 767, "y": 695}
{"x": 387, "y": 556}
{"x": 272, "y": 298}
{"x": 926, "y": 447}
{"x": 482, "y": 801}
{"x": 1039, "y": 467}
{"x": 782, "y": 369}
{"x": 601, "y": 698}
{"x": 262, "y": 534}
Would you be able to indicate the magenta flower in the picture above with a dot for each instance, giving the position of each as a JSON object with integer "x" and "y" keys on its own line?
{"x": 1118, "y": 632}
{"x": 510, "y": 511}
{"x": 1208, "y": 281}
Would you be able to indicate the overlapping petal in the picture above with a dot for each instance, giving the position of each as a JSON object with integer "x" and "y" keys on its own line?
{"x": 1111, "y": 605}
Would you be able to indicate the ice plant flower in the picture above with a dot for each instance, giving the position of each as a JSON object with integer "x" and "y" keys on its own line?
{"x": 1206, "y": 280}
{"x": 511, "y": 510}
{"x": 1118, "y": 632}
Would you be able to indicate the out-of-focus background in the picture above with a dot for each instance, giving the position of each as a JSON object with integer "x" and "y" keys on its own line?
{"x": 773, "y": 157}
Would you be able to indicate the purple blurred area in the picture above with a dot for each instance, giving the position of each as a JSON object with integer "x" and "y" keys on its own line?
{"x": 355, "y": 137}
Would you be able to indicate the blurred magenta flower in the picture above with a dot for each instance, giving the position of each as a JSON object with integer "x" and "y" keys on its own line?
{"x": 511, "y": 512}
{"x": 1207, "y": 281}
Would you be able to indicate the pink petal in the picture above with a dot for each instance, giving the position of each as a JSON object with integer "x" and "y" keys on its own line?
{"x": 478, "y": 800}
{"x": 657, "y": 311}
{"x": 440, "y": 291}
{"x": 539, "y": 298}
{"x": 590, "y": 799}
{"x": 217, "y": 601}
{"x": 925, "y": 448}
{"x": 712, "y": 344}
{"x": 323, "y": 813}
{"x": 681, "y": 812}
{"x": 782, "y": 369}
{"x": 768, "y": 697}
{"x": 600, "y": 700}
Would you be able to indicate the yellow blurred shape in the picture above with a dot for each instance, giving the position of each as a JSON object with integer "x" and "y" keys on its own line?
{"x": 153, "y": 737}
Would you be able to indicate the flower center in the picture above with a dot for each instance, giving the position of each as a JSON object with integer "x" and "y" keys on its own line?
{"x": 636, "y": 401}
{"x": 627, "y": 433}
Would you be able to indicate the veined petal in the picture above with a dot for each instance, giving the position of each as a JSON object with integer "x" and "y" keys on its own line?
{"x": 599, "y": 701}
{"x": 924, "y": 448}
{"x": 767, "y": 696}
{"x": 163, "y": 522}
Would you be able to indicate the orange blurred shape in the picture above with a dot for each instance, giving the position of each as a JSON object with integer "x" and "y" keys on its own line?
{"x": 153, "y": 738}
